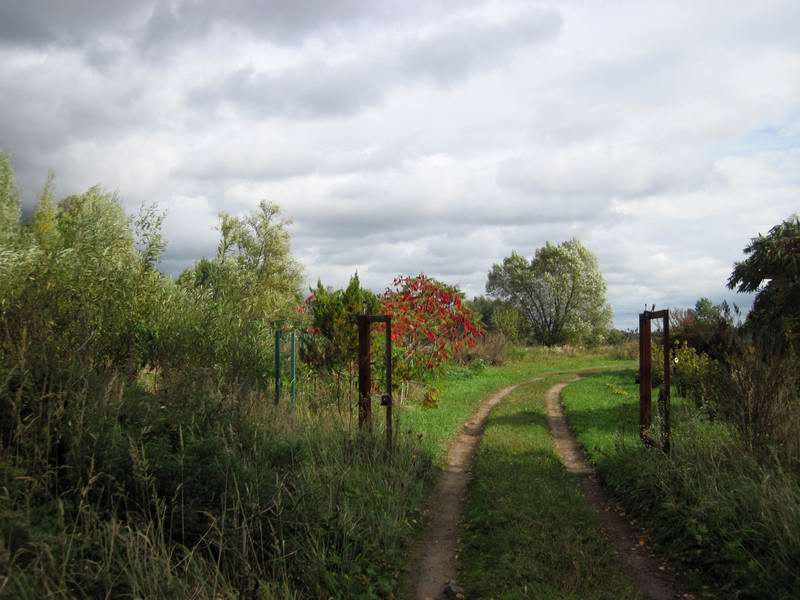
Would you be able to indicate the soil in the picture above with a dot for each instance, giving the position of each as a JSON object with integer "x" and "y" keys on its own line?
{"x": 434, "y": 564}
{"x": 653, "y": 578}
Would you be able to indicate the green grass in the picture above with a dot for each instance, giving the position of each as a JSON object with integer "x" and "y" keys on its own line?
{"x": 460, "y": 395}
{"x": 528, "y": 531}
{"x": 733, "y": 521}
{"x": 193, "y": 493}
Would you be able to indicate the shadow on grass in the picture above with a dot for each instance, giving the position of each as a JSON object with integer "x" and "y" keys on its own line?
{"x": 526, "y": 514}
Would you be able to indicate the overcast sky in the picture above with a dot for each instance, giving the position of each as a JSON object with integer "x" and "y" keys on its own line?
{"x": 424, "y": 136}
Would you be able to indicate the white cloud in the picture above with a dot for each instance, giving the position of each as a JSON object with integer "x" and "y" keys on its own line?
{"x": 436, "y": 137}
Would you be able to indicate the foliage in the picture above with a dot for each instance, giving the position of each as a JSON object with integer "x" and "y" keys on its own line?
{"x": 75, "y": 296}
{"x": 617, "y": 337}
{"x": 762, "y": 401}
{"x": 625, "y": 351}
{"x": 430, "y": 322}
{"x": 712, "y": 504}
{"x": 223, "y": 313}
{"x": 253, "y": 268}
{"x": 247, "y": 502}
{"x": 560, "y": 292}
{"x": 491, "y": 349}
{"x": 334, "y": 344}
{"x": 138, "y": 457}
{"x": 500, "y": 316}
{"x": 708, "y": 328}
{"x": 772, "y": 270}
{"x": 698, "y": 377}
{"x": 9, "y": 203}
{"x": 755, "y": 390}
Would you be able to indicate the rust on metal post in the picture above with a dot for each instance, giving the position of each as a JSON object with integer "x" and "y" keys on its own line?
{"x": 364, "y": 373}
{"x": 645, "y": 378}
{"x": 666, "y": 434}
{"x": 387, "y": 401}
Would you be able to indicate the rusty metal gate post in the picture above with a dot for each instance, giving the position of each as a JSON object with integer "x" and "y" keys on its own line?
{"x": 663, "y": 396}
{"x": 646, "y": 379}
{"x": 386, "y": 400}
{"x": 365, "y": 373}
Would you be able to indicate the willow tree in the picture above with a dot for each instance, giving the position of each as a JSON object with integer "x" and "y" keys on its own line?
{"x": 560, "y": 292}
{"x": 9, "y": 202}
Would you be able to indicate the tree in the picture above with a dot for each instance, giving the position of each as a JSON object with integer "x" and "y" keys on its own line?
{"x": 252, "y": 282}
{"x": 9, "y": 202}
{"x": 772, "y": 270}
{"x": 708, "y": 328}
{"x": 430, "y": 322}
{"x": 335, "y": 344}
{"x": 254, "y": 267}
{"x": 500, "y": 316}
{"x": 560, "y": 292}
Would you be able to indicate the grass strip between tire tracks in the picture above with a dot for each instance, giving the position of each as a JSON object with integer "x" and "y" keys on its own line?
{"x": 528, "y": 531}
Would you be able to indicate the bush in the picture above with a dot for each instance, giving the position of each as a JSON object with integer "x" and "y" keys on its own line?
{"x": 763, "y": 403}
{"x": 491, "y": 349}
{"x": 623, "y": 351}
{"x": 756, "y": 391}
{"x": 138, "y": 457}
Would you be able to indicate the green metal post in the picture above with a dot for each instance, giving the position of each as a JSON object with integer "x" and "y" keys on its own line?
{"x": 294, "y": 368}
{"x": 278, "y": 333}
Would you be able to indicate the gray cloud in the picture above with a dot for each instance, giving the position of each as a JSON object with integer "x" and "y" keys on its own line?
{"x": 406, "y": 137}
{"x": 321, "y": 88}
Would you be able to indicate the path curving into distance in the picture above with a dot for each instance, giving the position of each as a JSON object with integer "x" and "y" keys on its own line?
{"x": 434, "y": 560}
{"x": 653, "y": 579}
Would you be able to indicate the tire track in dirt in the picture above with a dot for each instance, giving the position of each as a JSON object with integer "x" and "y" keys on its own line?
{"x": 434, "y": 562}
{"x": 653, "y": 579}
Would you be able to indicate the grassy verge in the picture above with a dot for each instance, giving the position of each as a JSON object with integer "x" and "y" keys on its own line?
{"x": 731, "y": 519}
{"x": 193, "y": 492}
{"x": 246, "y": 501}
{"x": 528, "y": 531}
{"x": 462, "y": 391}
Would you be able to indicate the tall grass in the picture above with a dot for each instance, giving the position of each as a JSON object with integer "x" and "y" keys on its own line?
{"x": 727, "y": 512}
{"x": 246, "y": 501}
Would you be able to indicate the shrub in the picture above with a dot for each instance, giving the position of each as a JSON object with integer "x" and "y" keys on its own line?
{"x": 624, "y": 351}
{"x": 334, "y": 343}
{"x": 430, "y": 322}
{"x": 763, "y": 403}
{"x": 492, "y": 349}
{"x": 757, "y": 391}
